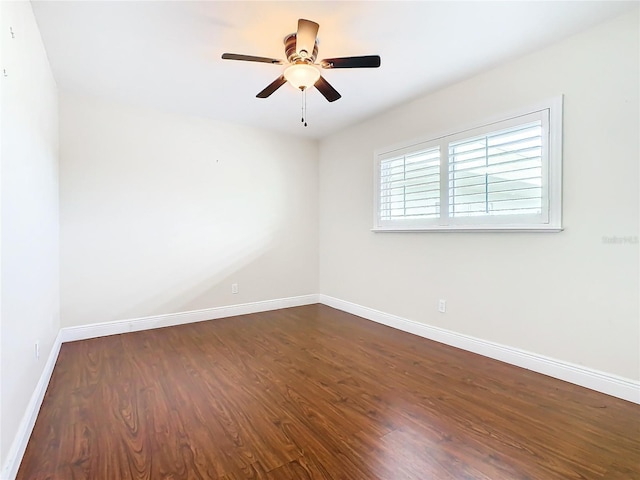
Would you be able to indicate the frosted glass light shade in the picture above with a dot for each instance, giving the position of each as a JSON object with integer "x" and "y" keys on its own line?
{"x": 302, "y": 75}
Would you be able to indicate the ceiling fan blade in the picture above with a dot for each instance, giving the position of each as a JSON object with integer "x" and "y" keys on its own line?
{"x": 272, "y": 87}
{"x": 306, "y": 37}
{"x": 250, "y": 58}
{"x": 327, "y": 91}
{"x": 366, "y": 61}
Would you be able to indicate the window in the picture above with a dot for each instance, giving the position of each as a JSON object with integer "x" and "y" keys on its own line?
{"x": 504, "y": 175}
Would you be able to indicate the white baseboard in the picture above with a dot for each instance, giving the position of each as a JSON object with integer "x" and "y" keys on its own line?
{"x": 602, "y": 382}
{"x": 70, "y": 334}
{"x": 595, "y": 380}
{"x": 19, "y": 445}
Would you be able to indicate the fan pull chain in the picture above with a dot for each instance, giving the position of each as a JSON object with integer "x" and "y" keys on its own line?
{"x": 304, "y": 105}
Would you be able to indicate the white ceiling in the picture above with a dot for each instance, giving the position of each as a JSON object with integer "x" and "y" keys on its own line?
{"x": 166, "y": 54}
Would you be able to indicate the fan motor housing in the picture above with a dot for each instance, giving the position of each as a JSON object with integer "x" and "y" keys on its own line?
{"x": 292, "y": 55}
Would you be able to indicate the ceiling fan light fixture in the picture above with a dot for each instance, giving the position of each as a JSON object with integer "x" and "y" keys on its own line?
{"x": 301, "y": 50}
{"x": 302, "y": 75}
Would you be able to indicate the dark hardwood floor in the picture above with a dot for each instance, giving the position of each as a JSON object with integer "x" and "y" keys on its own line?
{"x": 315, "y": 393}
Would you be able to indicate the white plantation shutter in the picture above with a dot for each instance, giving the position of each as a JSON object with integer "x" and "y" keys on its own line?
{"x": 499, "y": 173}
{"x": 503, "y": 175}
{"x": 410, "y": 186}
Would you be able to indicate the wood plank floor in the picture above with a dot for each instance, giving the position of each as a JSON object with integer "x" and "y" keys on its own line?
{"x": 315, "y": 393}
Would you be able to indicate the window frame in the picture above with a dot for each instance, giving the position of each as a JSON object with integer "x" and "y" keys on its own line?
{"x": 549, "y": 111}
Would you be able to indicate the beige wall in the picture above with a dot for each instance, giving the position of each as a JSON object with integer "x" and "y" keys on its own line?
{"x": 161, "y": 213}
{"x": 565, "y": 295}
{"x": 29, "y": 199}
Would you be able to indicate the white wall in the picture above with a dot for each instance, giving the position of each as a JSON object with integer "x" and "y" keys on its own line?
{"x": 565, "y": 295}
{"x": 161, "y": 213}
{"x": 29, "y": 200}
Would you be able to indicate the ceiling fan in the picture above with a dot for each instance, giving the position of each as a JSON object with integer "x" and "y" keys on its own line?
{"x": 301, "y": 50}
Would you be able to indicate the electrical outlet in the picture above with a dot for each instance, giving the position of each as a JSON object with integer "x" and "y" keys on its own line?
{"x": 442, "y": 305}
{"x": 37, "y": 350}
{"x": 234, "y": 288}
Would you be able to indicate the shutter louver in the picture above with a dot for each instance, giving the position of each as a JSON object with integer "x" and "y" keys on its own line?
{"x": 497, "y": 174}
{"x": 410, "y": 186}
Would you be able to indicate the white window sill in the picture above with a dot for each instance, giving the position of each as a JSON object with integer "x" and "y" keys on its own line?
{"x": 472, "y": 228}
